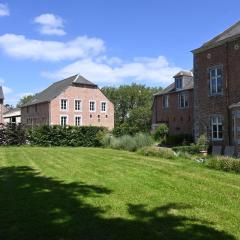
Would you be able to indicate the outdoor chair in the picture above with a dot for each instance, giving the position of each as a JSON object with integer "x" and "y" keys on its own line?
{"x": 216, "y": 150}
{"x": 229, "y": 151}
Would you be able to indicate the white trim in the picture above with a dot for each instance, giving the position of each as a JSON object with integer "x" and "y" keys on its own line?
{"x": 60, "y": 105}
{"x": 106, "y": 106}
{"x": 94, "y": 105}
{"x": 81, "y": 104}
{"x": 60, "y": 122}
{"x": 75, "y": 120}
{"x": 219, "y": 122}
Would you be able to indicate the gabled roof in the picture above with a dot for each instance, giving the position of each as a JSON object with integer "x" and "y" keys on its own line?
{"x": 1, "y": 93}
{"x": 57, "y": 88}
{"x": 188, "y": 84}
{"x": 229, "y": 34}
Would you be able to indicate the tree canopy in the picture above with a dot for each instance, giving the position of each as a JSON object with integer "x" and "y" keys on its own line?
{"x": 23, "y": 100}
{"x": 132, "y": 107}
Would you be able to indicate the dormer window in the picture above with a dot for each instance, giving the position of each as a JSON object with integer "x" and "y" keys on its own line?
{"x": 178, "y": 83}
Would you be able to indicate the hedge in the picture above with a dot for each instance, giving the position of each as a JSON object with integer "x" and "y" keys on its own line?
{"x": 192, "y": 149}
{"x": 85, "y": 136}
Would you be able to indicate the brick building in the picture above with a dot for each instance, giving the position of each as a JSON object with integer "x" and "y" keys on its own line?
{"x": 73, "y": 101}
{"x": 174, "y": 105}
{"x": 217, "y": 88}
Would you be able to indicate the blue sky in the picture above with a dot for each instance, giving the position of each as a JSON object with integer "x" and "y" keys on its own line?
{"x": 109, "y": 42}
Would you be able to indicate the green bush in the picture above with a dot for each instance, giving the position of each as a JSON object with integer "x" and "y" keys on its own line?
{"x": 85, "y": 136}
{"x": 227, "y": 164}
{"x": 157, "y": 152}
{"x": 143, "y": 140}
{"x": 192, "y": 149}
{"x": 202, "y": 142}
{"x": 161, "y": 133}
{"x": 12, "y": 134}
{"x": 179, "y": 140}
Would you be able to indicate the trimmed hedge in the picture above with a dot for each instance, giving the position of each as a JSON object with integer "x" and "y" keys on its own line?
{"x": 12, "y": 134}
{"x": 179, "y": 140}
{"x": 226, "y": 164}
{"x": 85, "y": 136}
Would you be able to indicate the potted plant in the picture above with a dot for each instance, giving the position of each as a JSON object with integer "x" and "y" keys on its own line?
{"x": 202, "y": 142}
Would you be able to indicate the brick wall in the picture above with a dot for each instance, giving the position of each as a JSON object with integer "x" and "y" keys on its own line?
{"x": 96, "y": 118}
{"x": 227, "y": 56}
{"x": 179, "y": 120}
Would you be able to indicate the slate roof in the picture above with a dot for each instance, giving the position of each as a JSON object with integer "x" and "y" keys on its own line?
{"x": 229, "y": 34}
{"x": 171, "y": 88}
{"x": 13, "y": 110}
{"x": 57, "y": 88}
{"x": 1, "y": 93}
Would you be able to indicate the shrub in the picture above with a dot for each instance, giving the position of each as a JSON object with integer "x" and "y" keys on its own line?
{"x": 127, "y": 142}
{"x": 160, "y": 133}
{"x": 157, "y": 152}
{"x": 85, "y": 136}
{"x": 143, "y": 140}
{"x": 192, "y": 149}
{"x": 12, "y": 134}
{"x": 227, "y": 164}
{"x": 202, "y": 142}
{"x": 179, "y": 140}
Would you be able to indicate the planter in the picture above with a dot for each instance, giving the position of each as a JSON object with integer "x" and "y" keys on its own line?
{"x": 204, "y": 152}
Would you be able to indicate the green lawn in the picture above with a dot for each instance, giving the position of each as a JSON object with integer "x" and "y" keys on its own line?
{"x": 87, "y": 193}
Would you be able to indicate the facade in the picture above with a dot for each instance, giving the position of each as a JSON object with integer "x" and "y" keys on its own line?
{"x": 12, "y": 116}
{"x": 174, "y": 105}
{"x": 73, "y": 101}
{"x": 217, "y": 88}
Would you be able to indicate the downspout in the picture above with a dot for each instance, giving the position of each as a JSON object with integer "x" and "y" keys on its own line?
{"x": 227, "y": 93}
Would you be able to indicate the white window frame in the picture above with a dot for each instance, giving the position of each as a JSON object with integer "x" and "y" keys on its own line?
{"x": 217, "y": 123}
{"x": 61, "y": 120}
{"x": 80, "y": 105}
{"x": 75, "y": 116}
{"x": 185, "y": 96}
{"x": 105, "y": 106}
{"x": 165, "y": 106}
{"x": 94, "y": 105}
{"x": 177, "y": 80}
{"x": 215, "y": 78}
{"x": 63, "y": 99}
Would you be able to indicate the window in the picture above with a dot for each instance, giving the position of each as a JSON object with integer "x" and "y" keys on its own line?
{"x": 183, "y": 100}
{"x": 103, "y": 106}
{"x": 178, "y": 83}
{"x": 78, "y": 120}
{"x": 92, "y": 106}
{"x": 63, "y": 104}
{"x": 165, "y": 101}
{"x": 36, "y": 107}
{"x": 63, "y": 121}
{"x": 217, "y": 128}
{"x": 27, "y": 109}
{"x": 78, "y": 105}
{"x": 216, "y": 81}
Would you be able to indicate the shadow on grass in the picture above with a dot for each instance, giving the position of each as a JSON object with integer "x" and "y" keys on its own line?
{"x": 34, "y": 207}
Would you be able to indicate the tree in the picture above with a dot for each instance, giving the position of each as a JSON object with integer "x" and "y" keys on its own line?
{"x": 132, "y": 107}
{"x": 23, "y": 100}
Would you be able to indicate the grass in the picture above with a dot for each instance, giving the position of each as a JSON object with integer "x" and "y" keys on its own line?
{"x": 103, "y": 194}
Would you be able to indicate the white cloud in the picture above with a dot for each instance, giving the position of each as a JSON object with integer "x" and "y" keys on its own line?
{"x": 50, "y": 24}
{"x": 143, "y": 70}
{"x": 4, "y": 10}
{"x": 19, "y": 46}
{"x": 89, "y": 58}
{"x": 6, "y": 90}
